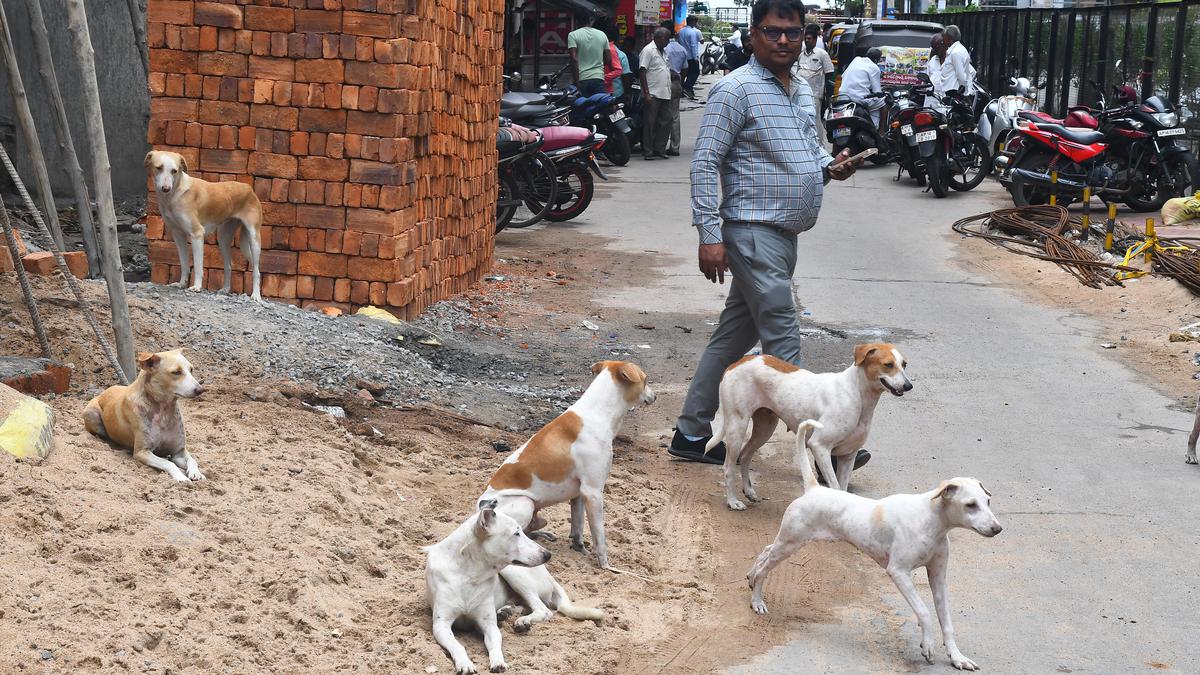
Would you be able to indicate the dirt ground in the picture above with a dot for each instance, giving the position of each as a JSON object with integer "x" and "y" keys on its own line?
{"x": 301, "y": 550}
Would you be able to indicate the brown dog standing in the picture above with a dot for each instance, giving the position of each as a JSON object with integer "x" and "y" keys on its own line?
{"x": 145, "y": 417}
{"x": 192, "y": 207}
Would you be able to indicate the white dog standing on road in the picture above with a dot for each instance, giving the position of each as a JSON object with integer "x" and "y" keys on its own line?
{"x": 758, "y": 391}
{"x": 191, "y": 208}
{"x": 900, "y": 532}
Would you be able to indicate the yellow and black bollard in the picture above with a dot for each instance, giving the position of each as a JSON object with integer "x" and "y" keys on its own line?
{"x": 1110, "y": 226}
{"x": 1150, "y": 237}
{"x": 1053, "y": 188}
{"x": 1086, "y": 218}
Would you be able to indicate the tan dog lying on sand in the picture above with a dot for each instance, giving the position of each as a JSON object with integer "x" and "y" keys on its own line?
{"x": 144, "y": 416}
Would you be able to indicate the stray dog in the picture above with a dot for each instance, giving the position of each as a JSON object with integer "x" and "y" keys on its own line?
{"x": 570, "y": 458}
{"x": 191, "y": 208}
{"x": 463, "y": 578}
{"x": 1191, "y": 453}
{"x": 758, "y": 391}
{"x": 900, "y": 532}
{"x": 144, "y": 416}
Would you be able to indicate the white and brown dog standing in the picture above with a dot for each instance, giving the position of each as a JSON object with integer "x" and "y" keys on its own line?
{"x": 145, "y": 417}
{"x": 758, "y": 391}
{"x": 900, "y": 532}
{"x": 468, "y": 576}
{"x": 570, "y": 458}
{"x": 192, "y": 207}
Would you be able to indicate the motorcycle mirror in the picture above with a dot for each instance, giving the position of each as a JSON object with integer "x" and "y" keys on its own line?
{"x": 515, "y": 77}
{"x": 1117, "y": 65}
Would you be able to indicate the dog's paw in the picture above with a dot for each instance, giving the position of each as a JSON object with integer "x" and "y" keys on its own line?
{"x": 257, "y": 297}
{"x": 195, "y": 289}
{"x": 735, "y": 505}
{"x": 927, "y": 650}
{"x": 760, "y": 606}
{"x": 498, "y": 666}
{"x": 962, "y": 662}
{"x": 195, "y": 474}
{"x": 754, "y": 497}
{"x": 577, "y": 545}
{"x": 180, "y": 284}
{"x": 467, "y": 668}
{"x": 1190, "y": 459}
{"x": 180, "y": 478}
{"x": 523, "y": 624}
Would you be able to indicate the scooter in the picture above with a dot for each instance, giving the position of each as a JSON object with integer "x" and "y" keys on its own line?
{"x": 849, "y": 125}
{"x": 1000, "y": 114}
{"x": 712, "y": 56}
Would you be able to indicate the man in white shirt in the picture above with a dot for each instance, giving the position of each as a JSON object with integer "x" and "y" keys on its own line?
{"x": 736, "y": 37}
{"x": 656, "y": 95}
{"x": 957, "y": 72}
{"x": 933, "y": 68}
{"x": 813, "y": 66}
{"x": 861, "y": 79}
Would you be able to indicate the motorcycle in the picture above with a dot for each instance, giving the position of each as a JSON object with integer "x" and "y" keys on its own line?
{"x": 711, "y": 57}
{"x": 603, "y": 113}
{"x": 1131, "y": 156}
{"x": 968, "y": 156}
{"x": 904, "y": 107}
{"x": 572, "y": 149}
{"x": 523, "y": 170}
{"x": 849, "y": 125}
{"x": 1000, "y": 114}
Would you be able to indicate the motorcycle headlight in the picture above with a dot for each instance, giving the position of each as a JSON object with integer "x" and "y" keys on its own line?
{"x": 1166, "y": 119}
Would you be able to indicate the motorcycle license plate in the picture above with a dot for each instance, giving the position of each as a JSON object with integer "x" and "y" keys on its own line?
{"x": 1177, "y": 131}
{"x": 841, "y": 131}
{"x": 837, "y": 114}
{"x": 930, "y": 135}
{"x": 619, "y": 115}
{"x": 906, "y": 130}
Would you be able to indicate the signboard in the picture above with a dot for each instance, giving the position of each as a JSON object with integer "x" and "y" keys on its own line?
{"x": 902, "y": 65}
{"x": 552, "y": 33}
{"x": 645, "y": 12}
{"x": 665, "y": 10}
{"x": 624, "y": 18}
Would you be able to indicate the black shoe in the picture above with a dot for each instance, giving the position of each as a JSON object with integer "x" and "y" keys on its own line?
{"x": 663, "y": 155}
{"x": 860, "y": 460}
{"x": 673, "y": 153}
{"x": 649, "y": 157}
{"x": 693, "y": 451}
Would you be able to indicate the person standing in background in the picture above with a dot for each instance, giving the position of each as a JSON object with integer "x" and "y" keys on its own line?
{"x": 957, "y": 72}
{"x": 677, "y": 62}
{"x": 933, "y": 69}
{"x": 690, "y": 38}
{"x": 814, "y": 67}
{"x": 590, "y": 57}
{"x": 655, "y": 75}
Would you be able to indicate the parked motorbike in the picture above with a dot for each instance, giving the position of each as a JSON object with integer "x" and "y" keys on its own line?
{"x": 711, "y": 57}
{"x": 1132, "y": 156}
{"x": 904, "y": 106}
{"x": 603, "y": 113}
{"x": 524, "y": 170}
{"x": 968, "y": 156}
{"x": 1000, "y": 114}
{"x": 572, "y": 149}
{"x": 849, "y": 125}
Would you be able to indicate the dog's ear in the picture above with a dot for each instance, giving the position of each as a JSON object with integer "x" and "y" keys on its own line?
{"x": 945, "y": 491}
{"x": 146, "y": 162}
{"x": 183, "y": 164}
{"x": 487, "y": 516}
{"x": 147, "y": 361}
{"x": 631, "y": 373}
{"x": 487, "y": 504}
{"x": 599, "y": 366}
{"x": 861, "y": 352}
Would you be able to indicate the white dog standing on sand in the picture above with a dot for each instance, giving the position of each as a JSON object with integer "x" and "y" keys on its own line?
{"x": 900, "y": 532}
{"x": 463, "y": 578}
{"x": 191, "y": 208}
{"x": 758, "y": 391}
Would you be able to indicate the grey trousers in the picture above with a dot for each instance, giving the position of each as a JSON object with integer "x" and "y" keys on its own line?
{"x": 760, "y": 307}
{"x": 676, "y": 97}
{"x": 656, "y": 125}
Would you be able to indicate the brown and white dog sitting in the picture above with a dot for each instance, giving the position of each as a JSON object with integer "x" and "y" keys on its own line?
{"x": 571, "y": 457}
{"x": 191, "y": 208}
{"x": 758, "y": 391}
{"x": 144, "y": 416}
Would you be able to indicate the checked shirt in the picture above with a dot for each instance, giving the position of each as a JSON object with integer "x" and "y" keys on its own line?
{"x": 760, "y": 143}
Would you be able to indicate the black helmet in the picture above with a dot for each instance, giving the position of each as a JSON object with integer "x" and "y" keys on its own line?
{"x": 875, "y": 54}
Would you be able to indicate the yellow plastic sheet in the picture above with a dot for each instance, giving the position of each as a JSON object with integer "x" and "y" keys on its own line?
{"x": 29, "y": 430}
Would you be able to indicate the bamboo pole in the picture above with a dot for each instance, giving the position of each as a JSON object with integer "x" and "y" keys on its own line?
{"x": 138, "y": 18}
{"x": 28, "y": 131}
{"x": 110, "y": 249}
{"x": 83, "y": 206}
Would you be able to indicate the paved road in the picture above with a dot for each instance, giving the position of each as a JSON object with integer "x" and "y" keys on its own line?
{"x": 1096, "y": 568}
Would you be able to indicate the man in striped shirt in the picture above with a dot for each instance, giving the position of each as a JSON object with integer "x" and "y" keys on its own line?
{"x": 758, "y": 141}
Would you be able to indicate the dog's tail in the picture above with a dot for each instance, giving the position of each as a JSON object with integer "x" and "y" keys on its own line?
{"x": 807, "y": 471}
{"x": 573, "y": 611}
{"x": 718, "y": 423}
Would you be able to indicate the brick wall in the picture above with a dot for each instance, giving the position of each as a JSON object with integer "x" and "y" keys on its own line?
{"x": 366, "y": 127}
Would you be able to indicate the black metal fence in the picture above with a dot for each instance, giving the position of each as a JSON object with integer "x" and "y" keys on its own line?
{"x": 1074, "y": 53}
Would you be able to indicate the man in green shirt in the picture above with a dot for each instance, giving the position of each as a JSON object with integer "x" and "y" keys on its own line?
{"x": 590, "y": 55}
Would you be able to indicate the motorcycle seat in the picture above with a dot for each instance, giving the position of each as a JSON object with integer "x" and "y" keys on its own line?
{"x": 554, "y": 138}
{"x": 528, "y": 112}
{"x": 596, "y": 100}
{"x": 1076, "y": 118}
{"x": 1075, "y": 135}
{"x": 516, "y": 99}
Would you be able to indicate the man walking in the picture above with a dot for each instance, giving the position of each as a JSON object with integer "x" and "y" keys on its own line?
{"x": 816, "y": 69}
{"x": 655, "y": 75}
{"x": 690, "y": 37}
{"x": 758, "y": 142}
{"x": 957, "y": 72}
{"x": 677, "y": 62}
{"x": 590, "y": 56}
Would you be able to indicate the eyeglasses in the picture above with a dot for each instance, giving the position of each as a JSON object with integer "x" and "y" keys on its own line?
{"x": 773, "y": 34}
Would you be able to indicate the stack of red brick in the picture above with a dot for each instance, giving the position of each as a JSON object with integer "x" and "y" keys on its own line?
{"x": 366, "y": 127}
{"x": 41, "y": 262}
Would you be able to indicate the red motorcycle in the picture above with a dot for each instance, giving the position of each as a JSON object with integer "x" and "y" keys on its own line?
{"x": 1125, "y": 154}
